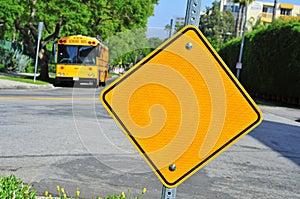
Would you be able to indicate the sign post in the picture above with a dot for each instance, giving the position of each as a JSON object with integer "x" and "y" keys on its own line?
{"x": 40, "y": 29}
{"x": 168, "y": 193}
{"x": 192, "y": 17}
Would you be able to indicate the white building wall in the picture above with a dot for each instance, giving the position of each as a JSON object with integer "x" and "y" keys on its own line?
{"x": 296, "y": 10}
{"x": 257, "y": 12}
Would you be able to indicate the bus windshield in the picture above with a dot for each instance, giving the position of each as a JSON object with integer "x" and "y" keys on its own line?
{"x": 76, "y": 54}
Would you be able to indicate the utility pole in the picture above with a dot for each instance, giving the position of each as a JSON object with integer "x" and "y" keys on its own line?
{"x": 171, "y": 28}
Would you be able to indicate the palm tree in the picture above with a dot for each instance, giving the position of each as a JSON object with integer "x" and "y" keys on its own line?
{"x": 274, "y": 10}
{"x": 241, "y": 16}
{"x": 168, "y": 28}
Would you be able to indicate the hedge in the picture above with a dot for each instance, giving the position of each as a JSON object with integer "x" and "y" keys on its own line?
{"x": 271, "y": 62}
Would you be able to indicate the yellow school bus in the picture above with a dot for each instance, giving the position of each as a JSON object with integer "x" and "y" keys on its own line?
{"x": 81, "y": 58}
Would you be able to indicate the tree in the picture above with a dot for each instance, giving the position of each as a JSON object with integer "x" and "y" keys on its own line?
{"x": 217, "y": 26}
{"x": 240, "y": 20}
{"x": 130, "y": 46}
{"x": 178, "y": 27}
{"x": 8, "y": 13}
{"x": 61, "y": 18}
{"x": 168, "y": 28}
{"x": 154, "y": 42}
{"x": 274, "y": 10}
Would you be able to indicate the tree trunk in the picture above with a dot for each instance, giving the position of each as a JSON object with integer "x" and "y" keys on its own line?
{"x": 274, "y": 10}
{"x": 43, "y": 64}
{"x": 44, "y": 57}
{"x": 243, "y": 20}
{"x": 30, "y": 41}
{"x": 238, "y": 21}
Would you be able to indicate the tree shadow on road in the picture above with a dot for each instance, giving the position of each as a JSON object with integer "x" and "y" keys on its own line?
{"x": 282, "y": 138}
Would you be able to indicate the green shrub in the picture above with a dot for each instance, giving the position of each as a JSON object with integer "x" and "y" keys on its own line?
{"x": 62, "y": 195}
{"x": 12, "y": 187}
{"x": 6, "y": 57}
{"x": 13, "y": 60}
{"x": 271, "y": 61}
{"x": 20, "y": 61}
{"x": 2, "y": 69}
{"x": 29, "y": 69}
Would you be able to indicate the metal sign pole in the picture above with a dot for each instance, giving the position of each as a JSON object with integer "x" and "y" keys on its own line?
{"x": 168, "y": 193}
{"x": 40, "y": 28}
{"x": 192, "y": 17}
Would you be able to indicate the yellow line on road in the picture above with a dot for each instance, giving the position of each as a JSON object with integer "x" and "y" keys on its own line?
{"x": 48, "y": 98}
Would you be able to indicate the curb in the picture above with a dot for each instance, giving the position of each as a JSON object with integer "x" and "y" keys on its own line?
{"x": 8, "y": 84}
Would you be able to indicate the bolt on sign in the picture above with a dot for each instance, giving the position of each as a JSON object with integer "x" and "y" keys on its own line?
{"x": 181, "y": 106}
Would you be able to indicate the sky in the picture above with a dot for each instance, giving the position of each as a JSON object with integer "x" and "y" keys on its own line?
{"x": 168, "y": 9}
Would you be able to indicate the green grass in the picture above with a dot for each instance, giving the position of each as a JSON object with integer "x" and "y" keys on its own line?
{"x": 111, "y": 74}
{"x": 24, "y": 79}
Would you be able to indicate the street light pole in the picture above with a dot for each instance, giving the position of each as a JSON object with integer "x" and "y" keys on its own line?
{"x": 171, "y": 28}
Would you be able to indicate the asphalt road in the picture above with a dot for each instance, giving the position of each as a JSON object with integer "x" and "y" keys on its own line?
{"x": 63, "y": 136}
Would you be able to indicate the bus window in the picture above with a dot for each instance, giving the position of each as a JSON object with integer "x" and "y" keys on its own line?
{"x": 76, "y": 54}
{"x": 87, "y": 54}
{"x": 67, "y": 54}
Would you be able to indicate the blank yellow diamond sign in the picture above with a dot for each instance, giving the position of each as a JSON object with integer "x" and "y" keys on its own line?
{"x": 181, "y": 106}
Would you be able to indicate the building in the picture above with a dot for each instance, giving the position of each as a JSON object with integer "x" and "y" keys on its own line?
{"x": 179, "y": 21}
{"x": 263, "y": 11}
